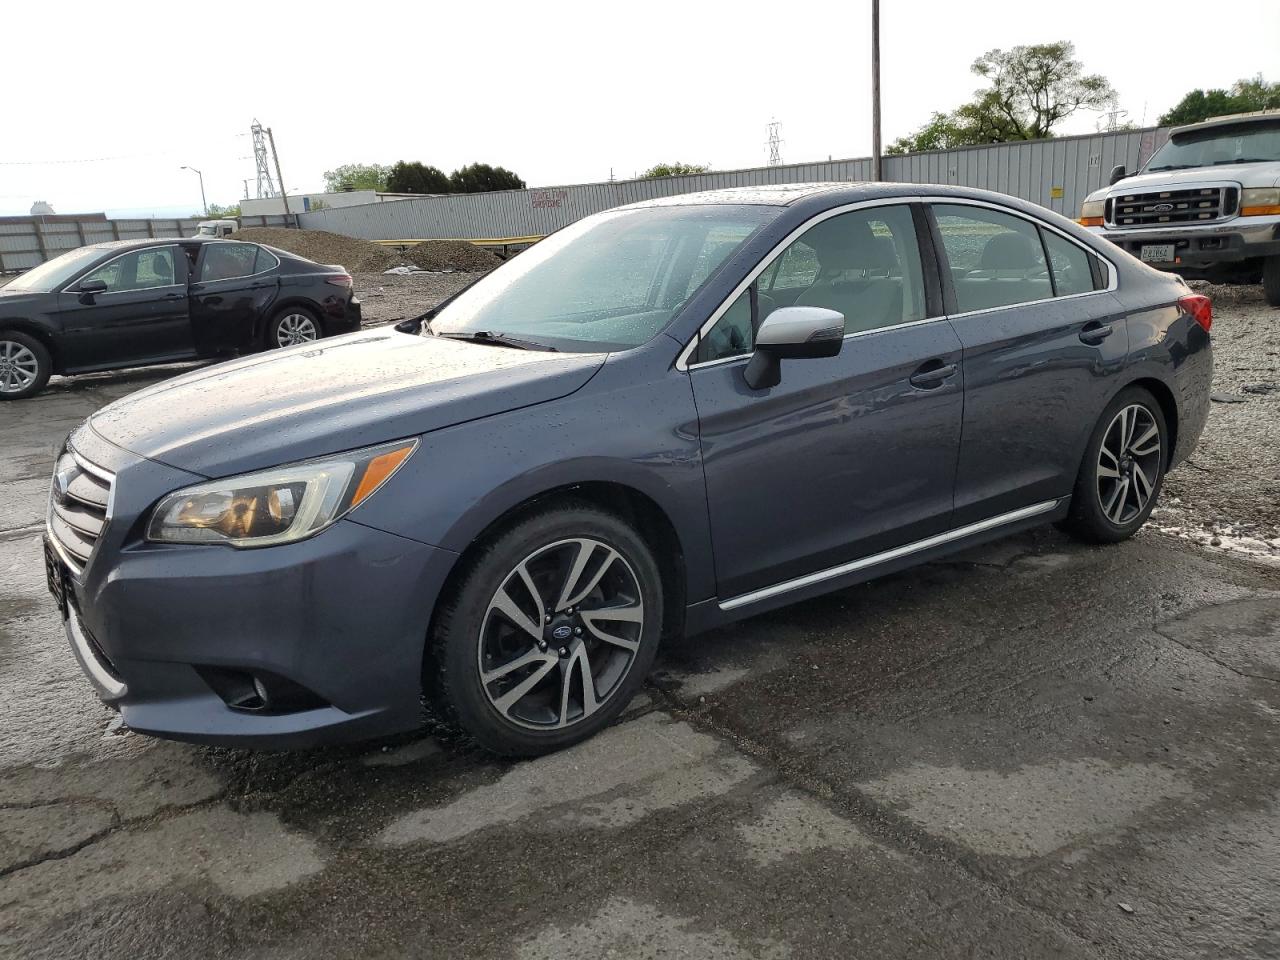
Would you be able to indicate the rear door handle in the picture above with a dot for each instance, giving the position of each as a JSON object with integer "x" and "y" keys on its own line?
{"x": 1095, "y": 331}
{"x": 175, "y": 296}
{"x": 932, "y": 374}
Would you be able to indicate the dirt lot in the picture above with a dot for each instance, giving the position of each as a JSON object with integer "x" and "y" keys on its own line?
{"x": 1036, "y": 749}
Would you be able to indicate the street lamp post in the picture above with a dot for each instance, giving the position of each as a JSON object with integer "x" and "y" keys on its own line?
{"x": 203, "y": 202}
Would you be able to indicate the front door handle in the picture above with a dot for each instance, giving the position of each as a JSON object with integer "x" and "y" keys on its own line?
{"x": 932, "y": 374}
{"x": 1095, "y": 331}
{"x": 175, "y": 296}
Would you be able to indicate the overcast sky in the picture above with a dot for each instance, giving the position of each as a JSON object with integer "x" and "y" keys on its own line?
{"x": 560, "y": 92}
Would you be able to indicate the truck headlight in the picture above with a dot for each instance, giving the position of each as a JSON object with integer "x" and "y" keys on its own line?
{"x": 1091, "y": 212}
{"x": 1260, "y": 201}
{"x": 275, "y": 506}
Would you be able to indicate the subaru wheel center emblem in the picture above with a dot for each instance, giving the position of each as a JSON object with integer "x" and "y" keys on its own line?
{"x": 562, "y": 632}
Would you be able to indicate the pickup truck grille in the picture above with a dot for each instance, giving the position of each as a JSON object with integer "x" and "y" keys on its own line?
{"x": 78, "y": 500}
{"x": 1161, "y": 208}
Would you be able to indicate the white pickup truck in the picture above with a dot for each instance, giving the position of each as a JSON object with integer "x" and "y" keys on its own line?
{"x": 1205, "y": 206}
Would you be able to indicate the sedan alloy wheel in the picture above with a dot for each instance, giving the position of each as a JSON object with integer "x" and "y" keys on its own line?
{"x": 1128, "y": 464}
{"x": 18, "y": 367}
{"x": 561, "y": 634}
{"x": 295, "y": 328}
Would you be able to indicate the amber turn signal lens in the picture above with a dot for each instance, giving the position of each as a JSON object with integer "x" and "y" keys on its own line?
{"x": 1090, "y": 221}
{"x": 378, "y": 470}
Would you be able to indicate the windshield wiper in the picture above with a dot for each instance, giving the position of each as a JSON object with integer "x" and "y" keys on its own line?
{"x": 1171, "y": 166}
{"x": 1219, "y": 163}
{"x": 494, "y": 338}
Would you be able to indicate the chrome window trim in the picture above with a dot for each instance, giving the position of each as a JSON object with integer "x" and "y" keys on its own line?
{"x": 682, "y": 362}
{"x": 876, "y": 559}
{"x": 71, "y": 287}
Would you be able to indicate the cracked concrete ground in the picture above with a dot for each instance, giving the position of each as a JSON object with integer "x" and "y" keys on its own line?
{"x": 982, "y": 757}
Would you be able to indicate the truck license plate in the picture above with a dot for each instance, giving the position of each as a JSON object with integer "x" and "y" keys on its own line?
{"x": 1157, "y": 253}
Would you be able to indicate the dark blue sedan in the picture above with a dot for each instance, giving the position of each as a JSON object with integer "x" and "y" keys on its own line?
{"x": 660, "y": 419}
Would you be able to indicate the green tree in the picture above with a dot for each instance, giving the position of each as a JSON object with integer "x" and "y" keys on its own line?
{"x": 1031, "y": 89}
{"x": 356, "y": 176}
{"x": 1244, "y": 96}
{"x": 674, "y": 170}
{"x": 416, "y": 177}
{"x": 218, "y": 212}
{"x": 481, "y": 178}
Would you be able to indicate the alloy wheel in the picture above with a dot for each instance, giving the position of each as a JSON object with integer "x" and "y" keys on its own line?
{"x": 18, "y": 367}
{"x": 295, "y": 328}
{"x": 1129, "y": 464}
{"x": 560, "y": 634}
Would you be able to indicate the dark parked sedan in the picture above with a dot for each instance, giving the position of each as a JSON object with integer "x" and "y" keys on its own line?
{"x": 138, "y": 302}
{"x": 662, "y": 418}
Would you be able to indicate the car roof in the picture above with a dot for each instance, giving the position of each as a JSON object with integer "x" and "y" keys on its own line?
{"x": 833, "y": 194}
{"x": 152, "y": 241}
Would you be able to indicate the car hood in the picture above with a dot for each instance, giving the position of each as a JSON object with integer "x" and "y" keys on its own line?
{"x": 339, "y": 394}
{"x": 1249, "y": 174}
{"x": 14, "y": 299}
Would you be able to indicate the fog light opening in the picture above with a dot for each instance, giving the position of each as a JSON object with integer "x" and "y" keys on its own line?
{"x": 259, "y": 691}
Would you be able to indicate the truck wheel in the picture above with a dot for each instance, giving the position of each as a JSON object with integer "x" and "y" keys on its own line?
{"x": 25, "y": 365}
{"x": 1271, "y": 280}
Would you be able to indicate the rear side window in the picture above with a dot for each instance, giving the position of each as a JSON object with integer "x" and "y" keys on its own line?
{"x": 226, "y": 261}
{"x": 266, "y": 260}
{"x": 1072, "y": 268}
{"x": 995, "y": 259}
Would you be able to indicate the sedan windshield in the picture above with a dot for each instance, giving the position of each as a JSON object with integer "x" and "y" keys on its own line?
{"x": 607, "y": 282}
{"x": 53, "y": 274}
{"x": 1218, "y": 146}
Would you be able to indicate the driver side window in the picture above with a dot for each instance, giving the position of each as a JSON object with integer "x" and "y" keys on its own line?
{"x": 140, "y": 270}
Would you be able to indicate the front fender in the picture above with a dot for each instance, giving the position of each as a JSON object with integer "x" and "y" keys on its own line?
{"x": 628, "y": 427}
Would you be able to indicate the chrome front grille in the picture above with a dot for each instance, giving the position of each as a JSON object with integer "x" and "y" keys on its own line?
{"x": 1161, "y": 208}
{"x": 79, "y": 505}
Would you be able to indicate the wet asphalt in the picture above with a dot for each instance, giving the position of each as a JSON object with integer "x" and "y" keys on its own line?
{"x": 1037, "y": 749}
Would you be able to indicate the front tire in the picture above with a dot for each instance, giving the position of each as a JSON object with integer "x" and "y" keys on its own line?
{"x": 292, "y": 326}
{"x": 1123, "y": 470}
{"x": 1271, "y": 280}
{"x": 25, "y": 365}
{"x": 549, "y": 633}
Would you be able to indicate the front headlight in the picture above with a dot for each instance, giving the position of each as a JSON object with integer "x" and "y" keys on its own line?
{"x": 1091, "y": 212}
{"x": 279, "y": 505}
{"x": 1260, "y": 201}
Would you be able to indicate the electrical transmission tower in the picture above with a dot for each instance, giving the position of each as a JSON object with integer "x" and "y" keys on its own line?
{"x": 775, "y": 144}
{"x": 262, "y": 160}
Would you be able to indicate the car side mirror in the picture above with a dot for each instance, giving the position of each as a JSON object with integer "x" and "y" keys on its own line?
{"x": 1117, "y": 173}
{"x": 792, "y": 333}
{"x": 413, "y": 326}
{"x": 88, "y": 288}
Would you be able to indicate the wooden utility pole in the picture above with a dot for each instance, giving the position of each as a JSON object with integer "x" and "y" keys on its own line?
{"x": 280, "y": 178}
{"x": 875, "y": 91}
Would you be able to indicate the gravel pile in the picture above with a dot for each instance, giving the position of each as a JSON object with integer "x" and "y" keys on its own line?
{"x": 452, "y": 255}
{"x": 325, "y": 247}
{"x": 390, "y": 299}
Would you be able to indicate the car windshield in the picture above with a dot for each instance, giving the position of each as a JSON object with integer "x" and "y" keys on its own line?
{"x": 608, "y": 282}
{"x": 1217, "y": 146}
{"x": 53, "y": 274}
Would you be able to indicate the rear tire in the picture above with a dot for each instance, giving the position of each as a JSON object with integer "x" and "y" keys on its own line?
{"x": 568, "y": 596}
{"x": 292, "y": 326}
{"x": 25, "y": 365}
{"x": 1271, "y": 280}
{"x": 1123, "y": 470}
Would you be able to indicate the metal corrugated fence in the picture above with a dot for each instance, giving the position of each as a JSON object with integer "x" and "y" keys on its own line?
{"x": 27, "y": 242}
{"x": 1057, "y": 174}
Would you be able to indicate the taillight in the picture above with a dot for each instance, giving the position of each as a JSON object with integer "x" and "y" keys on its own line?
{"x": 340, "y": 281}
{"x": 1200, "y": 308}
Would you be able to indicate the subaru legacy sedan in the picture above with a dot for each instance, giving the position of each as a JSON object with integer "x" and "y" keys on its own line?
{"x": 130, "y": 303}
{"x": 658, "y": 420}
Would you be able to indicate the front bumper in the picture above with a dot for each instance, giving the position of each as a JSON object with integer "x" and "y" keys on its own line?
{"x": 343, "y": 616}
{"x": 1202, "y": 248}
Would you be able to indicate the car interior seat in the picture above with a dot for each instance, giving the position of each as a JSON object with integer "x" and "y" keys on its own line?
{"x": 856, "y": 274}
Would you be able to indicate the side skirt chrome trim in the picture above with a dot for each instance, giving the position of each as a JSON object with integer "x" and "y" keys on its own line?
{"x": 896, "y": 553}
